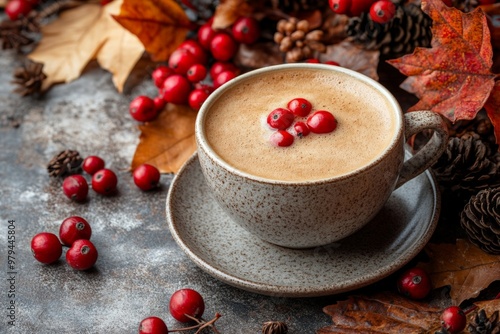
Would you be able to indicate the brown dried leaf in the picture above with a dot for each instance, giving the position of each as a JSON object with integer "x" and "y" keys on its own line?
{"x": 489, "y": 306}
{"x": 463, "y": 266}
{"x": 350, "y": 56}
{"x": 168, "y": 141}
{"x": 228, "y": 11}
{"x": 258, "y": 55}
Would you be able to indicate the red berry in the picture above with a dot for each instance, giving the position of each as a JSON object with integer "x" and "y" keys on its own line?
{"x": 382, "y": 11}
{"x": 146, "y": 177}
{"x": 181, "y": 60}
{"x": 197, "y": 97}
{"x": 75, "y": 187}
{"x": 453, "y": 319}
{"x": 143, "y": 109}
{"x": 160, "y": 74}
{"x": 301, "y": 129}
{"x": 206, "y": 34}
{"x": 223, "y": 77}
{"x": 153, "y": 325}
{"x": 82, "y": 255}
{"x": 331, "y": 62}
{"x": 312, "y": 61}
{"x": 17, "y": 8}
{"x": 104, "y": 182}
{"x": 218, "y": 67}
{"x": 74, "y": 228}
{"x": 105, "y": 2}
{"x": 159, "y": 103}
{"x": 321, "y": 121}
{"x": 46, "y": 247}
{"x": 92, "y": 164}
{"x": 196, "y": 73}
{"x": 350, "y": 7}
{"x": 280, "y": 118}
{"x": 414, "y": 283}
{"x": 223, "y": 47}
{"x": 340, "y": 6}
{"x": 196, "y": 50}
{"x": 300, "y": 107}
{"x": 186, "y": 303}
{"x": 176, "y": 89}
{"x": 246, "y": 30}
{"x": 281, "y": 138}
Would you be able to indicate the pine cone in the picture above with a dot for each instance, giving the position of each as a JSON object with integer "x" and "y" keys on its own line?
{"x": 13, "y": 36}
{"x": 484, "y": 325}
{"x": 297, "y": 6}
{"x": 479, "y": 128}
{"x": 65, "y": 162}
{"x": 480, "y": 219}
{"x": 274, "y": 327}
{"x": 297, "y": 41}
{"x": 409, "y": 28}
{"x": 29, "y": 78}
{"x": 467, "y": 165}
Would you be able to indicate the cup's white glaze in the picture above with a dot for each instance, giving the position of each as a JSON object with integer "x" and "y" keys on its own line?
{"x": 313, "y": 213}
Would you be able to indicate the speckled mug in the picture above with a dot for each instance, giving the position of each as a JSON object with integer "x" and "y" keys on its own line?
{"x": 306, "y": 214}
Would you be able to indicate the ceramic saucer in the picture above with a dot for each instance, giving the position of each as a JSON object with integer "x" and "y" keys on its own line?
{"x": 228, "y": 252}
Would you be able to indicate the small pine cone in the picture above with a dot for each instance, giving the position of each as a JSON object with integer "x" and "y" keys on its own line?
{"x": 65, "y": 162}
{"x": 12, "y": 35}
{"x": 274, "y": 327}
{"x": 297, "y": 41}
{"x": 467, "y": 165}
{"x": 484, "y": 325}
{"x": 29, "y": 78}
{"x": 479, "y": 127}
{"x": 480, "y": 219}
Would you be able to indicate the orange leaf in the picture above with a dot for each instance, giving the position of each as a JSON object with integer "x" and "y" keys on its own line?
{"x": 453, "y": 77}
{"x": 161, "y": 25}
{"x": 168, "y": 141}
{"x": 228, "y": 11}
{"x": 463, "y": 266}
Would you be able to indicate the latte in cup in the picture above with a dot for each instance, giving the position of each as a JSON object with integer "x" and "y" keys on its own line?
{"x": 237, "y": 131}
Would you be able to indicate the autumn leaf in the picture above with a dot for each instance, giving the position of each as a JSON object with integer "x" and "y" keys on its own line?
{"x": 463, "y": 266}
{"x": 161, "y": 25}
{"x": 453, "y": 77}
{"x": 383, "y": 313}
{"x": 168, "y": 141}
{"x": 82, "y": 34}
{"x": 228, "y": 11}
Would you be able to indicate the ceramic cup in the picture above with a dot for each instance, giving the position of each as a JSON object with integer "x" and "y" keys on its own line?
{"x": 310, "y": 213}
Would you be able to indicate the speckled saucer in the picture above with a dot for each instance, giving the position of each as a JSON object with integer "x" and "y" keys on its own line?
{"x": 228, "y": 252}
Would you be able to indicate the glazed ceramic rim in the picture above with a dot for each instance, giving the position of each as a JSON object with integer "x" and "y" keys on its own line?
{"x": 203, "y": 144}
{"x": 293, "y": 291}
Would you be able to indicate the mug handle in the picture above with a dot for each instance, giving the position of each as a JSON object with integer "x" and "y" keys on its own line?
{"x": 415, "y": 122}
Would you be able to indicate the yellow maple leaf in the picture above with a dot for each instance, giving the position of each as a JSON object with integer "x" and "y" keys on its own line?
{"x": 82, "y": 34}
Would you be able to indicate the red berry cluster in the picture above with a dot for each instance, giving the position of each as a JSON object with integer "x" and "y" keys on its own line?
{"x": 196, "y": 68}
{"x": 380, "y": 11}
{"x": 186, "y": 305}
{"x": 74, "y": 233}
{"x": 16, "y": 9}
{"x": 297, "y": 116}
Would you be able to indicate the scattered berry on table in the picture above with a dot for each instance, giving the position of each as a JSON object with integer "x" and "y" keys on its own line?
{"x": 414, "y": 283}
{"x": 74, "y": 228}
{"x": 75, "y": 187}
{"x": 153, "y": 325}
{"x": 92, "y": 164}
{"x": 143, "y": 109}
{"x": 186, "y": 303}
{"x": 46, "y": 247}
{"x": 104, "y": 181}
{"x": 453, "y": 319}
{"x": 82, "y": 255}
{"x": 176, "y": 89}
{"x": 146, "y": 177}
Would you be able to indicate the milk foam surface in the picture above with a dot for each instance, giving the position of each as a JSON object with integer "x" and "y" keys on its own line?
{"x": 236, "y": 125}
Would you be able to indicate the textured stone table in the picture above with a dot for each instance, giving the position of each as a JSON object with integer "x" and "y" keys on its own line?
{"x": 139, "y": 263}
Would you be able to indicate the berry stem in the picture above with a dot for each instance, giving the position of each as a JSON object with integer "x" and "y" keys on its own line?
{"x": 201, "y": 324}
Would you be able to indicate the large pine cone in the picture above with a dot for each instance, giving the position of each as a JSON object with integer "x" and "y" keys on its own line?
{"x": 480, "y": 219}
{"x": 483, "y": 324}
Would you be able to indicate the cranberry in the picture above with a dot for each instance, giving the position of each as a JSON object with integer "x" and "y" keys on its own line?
{"x": 46, "y": 247}
{"x": 17, "y": 8}
{"x": 186, "y": 303}
{"x": 197, "y": 97}
{"x": 453, "y": 319}
{"x": 219, "y": 66}
{"x": 146, "y": 177}
{"x": 82, "y": 255}
{"x": 104, "y": 182}
{"x": 196, "y": 49}
{"x": 414, "y": 283}
{"x": 280, "y": 118}
{"x": 223, "y": 47}
{"x": 159, "y": 103}
{"x": 181, "y": 60}
{"x": 312, "y": 61}
{"x": 382, "y": 11}
{"x": 332, "y": 62}
{"x": 176, "y": 89}
{"x": 75, "y": 187}
{"x": 246, "y": 30}
{"x": 321, "y": 121}
{"x": 301, "y": 129}
{"x": 223, "y": 77}
{"x": 300, "y": 107}
{"x": 74, "y": 228}
{"x": 350, "y": 7}
{"x": 340, "y": 6}
{"x": 153, "y": 325}
{"x": 92, "y": 164}
{"x": 196, "y": 73}
{"x": 281, "y": 138}
{"x": 160, "y": 74}
{"x": 143, "y": 109}
{"x": 206, "y": 34}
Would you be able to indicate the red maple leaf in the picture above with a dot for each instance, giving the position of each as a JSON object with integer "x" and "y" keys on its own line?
{"x": 454, "y": 76}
